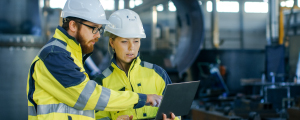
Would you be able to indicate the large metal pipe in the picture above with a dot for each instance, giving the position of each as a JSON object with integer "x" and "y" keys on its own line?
{"x": 190, "y": 20}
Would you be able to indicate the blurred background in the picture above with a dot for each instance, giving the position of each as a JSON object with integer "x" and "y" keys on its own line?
{"x": 245, "y": 52}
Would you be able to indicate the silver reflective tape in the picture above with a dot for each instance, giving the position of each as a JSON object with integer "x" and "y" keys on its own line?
{"x": 56, "y": 43}
{"x": 103, "y": 99}
{"x": 148, "y": 65}
{"x": 61, "y": 108}
{"x": 106, "y": 118}
{"x": 31, "y": 111}
{"x": 106, "y": 72}
{"x": 85, "y": 95}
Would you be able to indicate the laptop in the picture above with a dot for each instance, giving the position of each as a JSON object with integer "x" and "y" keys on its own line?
{"x": 177, "y": 99}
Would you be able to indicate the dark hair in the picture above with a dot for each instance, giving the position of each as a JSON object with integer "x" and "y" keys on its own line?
{"x": 67, "y": 20}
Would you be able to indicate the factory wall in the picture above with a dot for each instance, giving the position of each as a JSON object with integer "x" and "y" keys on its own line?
{"x": 254, "y": 34}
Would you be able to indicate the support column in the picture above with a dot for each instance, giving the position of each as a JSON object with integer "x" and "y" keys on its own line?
{"x": 241, "y": 16}
{"x": 126, "y": 4}
{"x": 166, "y": 6}
{"x": 273, "y": 21}
{"x": 116, "y": 5}
{"x": 215, "y": 25}
{"x": 153, "y": 28}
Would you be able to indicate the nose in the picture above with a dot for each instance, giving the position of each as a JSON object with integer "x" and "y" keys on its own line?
{"x": 97, "y": 35}
{"x": 131, "y": 45}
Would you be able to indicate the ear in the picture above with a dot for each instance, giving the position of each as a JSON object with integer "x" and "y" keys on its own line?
{"x": 73, "y": 26}
{"x": 111, "y": 43}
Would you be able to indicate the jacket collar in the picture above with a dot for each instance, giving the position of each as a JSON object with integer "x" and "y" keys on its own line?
{"x": 62, "y": 34}
{"x": 134, "y": 62}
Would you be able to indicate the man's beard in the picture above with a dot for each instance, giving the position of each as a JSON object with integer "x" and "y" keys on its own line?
{"x": 85, "y": 47}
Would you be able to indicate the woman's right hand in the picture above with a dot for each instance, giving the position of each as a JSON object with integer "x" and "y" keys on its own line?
{"x": 153, "y": 99}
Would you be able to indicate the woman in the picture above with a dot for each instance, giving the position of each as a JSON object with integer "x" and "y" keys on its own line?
{"x": 127, "y": 72}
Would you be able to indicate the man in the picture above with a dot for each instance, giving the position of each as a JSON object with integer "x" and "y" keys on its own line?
{"x": 58, "y": 87}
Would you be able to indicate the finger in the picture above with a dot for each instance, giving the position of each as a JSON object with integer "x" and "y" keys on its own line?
{"x": 164, "y": 116}
{"x": 158, "y": 102}
{"x": 131, "y": 117}
{"x": 160, "y": 97}
{"x": 153, "y": 103}
{"x": 126, "y": 117}
{"x": 172, "y": 115}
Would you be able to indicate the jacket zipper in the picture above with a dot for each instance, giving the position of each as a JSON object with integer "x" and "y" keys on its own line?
{"x": 130, "y": 83}
{"x": 132, "y": 86}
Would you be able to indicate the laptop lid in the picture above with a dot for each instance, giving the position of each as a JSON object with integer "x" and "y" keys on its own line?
{"x": 177, "y": 99}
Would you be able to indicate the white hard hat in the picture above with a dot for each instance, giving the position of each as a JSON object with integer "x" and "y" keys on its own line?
{"x": 90, "y": 10}
{"x": 126, "y": 24}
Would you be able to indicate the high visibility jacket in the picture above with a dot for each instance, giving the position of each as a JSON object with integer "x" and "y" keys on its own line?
{"x": 58, "y": 87}
{"x": 142, "y": 77}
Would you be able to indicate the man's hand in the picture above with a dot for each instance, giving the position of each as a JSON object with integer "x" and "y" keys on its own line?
{"x": 153, "y": 100}
{"x": 172, "y": 117}
{"x": 125, "y": 117}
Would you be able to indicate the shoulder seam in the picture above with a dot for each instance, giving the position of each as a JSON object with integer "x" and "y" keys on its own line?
{"x": 52, "y": 45}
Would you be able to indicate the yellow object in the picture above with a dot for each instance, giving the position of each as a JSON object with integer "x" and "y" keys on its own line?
{"x": 281, "y": 22}
{"x": 143, "y": 77}
{"x": 58, "y": 87}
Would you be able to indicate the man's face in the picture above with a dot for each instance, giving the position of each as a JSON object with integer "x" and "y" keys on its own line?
{"x": 86, "y": 38}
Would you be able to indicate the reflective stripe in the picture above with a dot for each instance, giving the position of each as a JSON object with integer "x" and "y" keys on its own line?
{"x": 31, "y": 111}
{"x": 60, "y": 108}
{"x": 107, "y": 72}
{"x": 148, "y": 65}
{"x": 56, "y": 43}
{"x": 106, "y": 118}
{"x": 103, "y": 99}
{"x": 85, "y": 95}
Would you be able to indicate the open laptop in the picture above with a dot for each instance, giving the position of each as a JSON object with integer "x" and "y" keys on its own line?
{"x": 177, "y": 99}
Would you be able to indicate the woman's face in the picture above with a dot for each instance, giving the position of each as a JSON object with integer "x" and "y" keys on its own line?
{"x": 126, "y": 48}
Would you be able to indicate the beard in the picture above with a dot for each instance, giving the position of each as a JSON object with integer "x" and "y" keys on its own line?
{"x": 86, "y": 45}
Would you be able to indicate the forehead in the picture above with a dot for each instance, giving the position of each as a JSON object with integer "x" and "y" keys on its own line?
{"x": 121, "y": 38}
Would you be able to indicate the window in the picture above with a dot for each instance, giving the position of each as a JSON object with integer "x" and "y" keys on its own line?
{"x": 133, "y": 3}
{"x": 224, "y": 6}
{"x": 160, "y": 7}
{"x": 172, "y": 6}
{"x": 256, "y": 7}
{"x": 121, "y": 4}
{"x": 138, "y": 2}
{"x": 57, "y": 3}
{"x": 108, "y": 4}
{"x": 41, "y": 3}
{"x": 288, "y": 3}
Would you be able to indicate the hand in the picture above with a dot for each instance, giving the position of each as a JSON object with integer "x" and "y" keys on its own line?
{"x": 125, "y": 117}
{"x": 172, "y": 117}
{"x": 153, "y": 100}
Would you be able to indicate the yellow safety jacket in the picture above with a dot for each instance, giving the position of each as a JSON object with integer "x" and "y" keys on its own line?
{"x": 58, "y": 87}
{"x": 143, "y": 77}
